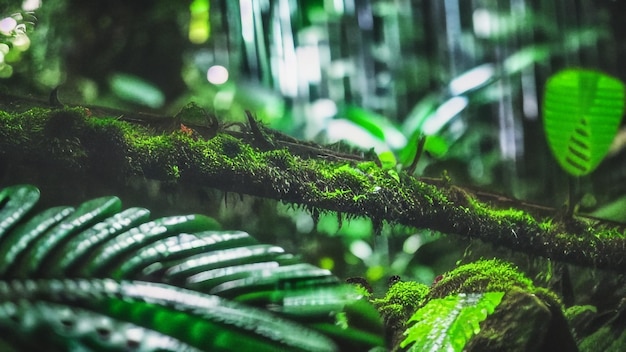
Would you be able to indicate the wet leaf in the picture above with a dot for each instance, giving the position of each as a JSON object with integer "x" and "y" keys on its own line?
{"x": 447, "y": 324}
{"x": 582, "y": 111}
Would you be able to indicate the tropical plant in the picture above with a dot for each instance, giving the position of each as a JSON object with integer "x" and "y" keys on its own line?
{"x": 99, "y": 263}
{"x": 582, "y": 111}
{"x": 447, "y": 324}
{"x": 97, "y": 277}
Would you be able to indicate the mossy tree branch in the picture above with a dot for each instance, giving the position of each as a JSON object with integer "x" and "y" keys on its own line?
{"x": 70, "y": 139}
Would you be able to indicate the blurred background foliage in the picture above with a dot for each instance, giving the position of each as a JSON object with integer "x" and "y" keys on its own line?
{"x": 375, "y": 73}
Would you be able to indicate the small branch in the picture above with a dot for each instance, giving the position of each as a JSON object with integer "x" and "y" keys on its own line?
{"x": 351, "y": 186}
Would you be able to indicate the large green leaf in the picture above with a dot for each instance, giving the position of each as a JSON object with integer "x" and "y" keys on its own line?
{"x": 447, "y": 324}
{"x": 95, "y": 277}
{"x": 582, "y": 111}
{"x": 206, "y": 322}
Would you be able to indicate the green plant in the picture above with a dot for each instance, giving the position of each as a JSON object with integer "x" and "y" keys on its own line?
{"x": 447, "y": 324}
{"x": 83, "y": 261}
{"x": 97, "y": 277}
{"x": 582, "y": 111}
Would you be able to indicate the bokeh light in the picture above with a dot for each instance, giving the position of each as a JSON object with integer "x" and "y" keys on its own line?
{"x": 7, "y": 25}
{"x": 217, "y": 74}
{"x": 199, "y": 25}
{"x": 31, "y": 5}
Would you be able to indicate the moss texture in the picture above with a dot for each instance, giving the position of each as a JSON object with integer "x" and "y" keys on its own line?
{"x": 401, "y": 300}
{"x": 529, "y": 317}
{"x": 75, "y": 145}
{"x": 398, "y": 305}
{"x": 491, "y": 275}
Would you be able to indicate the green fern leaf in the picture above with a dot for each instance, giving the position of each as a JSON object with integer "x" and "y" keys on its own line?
{"x": 151, "y": 261}
{"x": 582, "y": 111}
{"x": 69, "y": 259}
{"x": 18, "y": 201}
{"x": 124, "y": 245}
{"x": 95, "y": 277}
{"x": 206, "y": 322}
{"x": 86, "y": 215}
{"x": 447, "y": 324}
{"x": 15, "y": 243}
{"x": 183, "y": 270}
{"x": 60, "y": 327}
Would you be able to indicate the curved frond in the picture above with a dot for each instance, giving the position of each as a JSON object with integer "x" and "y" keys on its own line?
{"x": 97, "y": 277}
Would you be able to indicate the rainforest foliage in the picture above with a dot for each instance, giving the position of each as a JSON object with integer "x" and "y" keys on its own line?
{"x": 312, "y": 175}
{"x": 98, "y": 247}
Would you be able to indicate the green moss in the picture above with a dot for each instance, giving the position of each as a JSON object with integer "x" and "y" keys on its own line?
{"x": 230, "y": 147}
{"x": 45, "y": 137}
{"x": 574, "y": 314}
{"x": 175, "y": 171}
{"x": 547, "y": 225}
{"x": 157, "y": 149}
{"x": 352, "y": 178}
{"x": 280, "y": 158}
{"x": 368, "y": 167}
{"x": 492, "y": 275}
{"x": 481, "y": 276}
{"x": 402, "y": 300}
{"x": 506, "y": 216}
{"x": 362, "y": 286}
{"x": 330, "y": 183}
{"x": 606, "y": 232}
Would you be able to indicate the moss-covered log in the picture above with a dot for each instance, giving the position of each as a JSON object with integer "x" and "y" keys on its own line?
{"x": 80, "y": 141}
